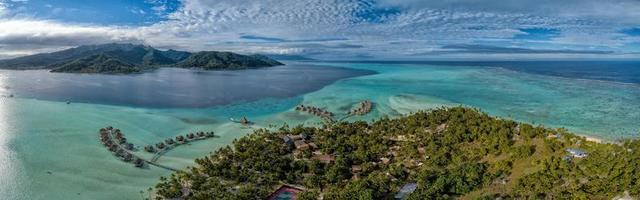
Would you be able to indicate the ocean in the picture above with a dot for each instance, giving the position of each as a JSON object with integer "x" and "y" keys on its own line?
{"x": 50, "y": 149}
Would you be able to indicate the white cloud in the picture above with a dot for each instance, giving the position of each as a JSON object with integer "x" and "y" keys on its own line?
{"x": 391, "y": 28}
{"x": 32, "y": 36}
{"x": 3, "y": 9}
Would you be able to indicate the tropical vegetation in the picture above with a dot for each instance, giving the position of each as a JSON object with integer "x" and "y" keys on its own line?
{"x": 450, "y": 153}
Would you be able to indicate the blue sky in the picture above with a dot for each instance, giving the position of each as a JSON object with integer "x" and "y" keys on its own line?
{"x": 333, "y": 29}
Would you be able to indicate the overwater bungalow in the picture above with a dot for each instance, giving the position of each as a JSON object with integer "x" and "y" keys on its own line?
{"x": 120, "y": 152}
{"x": 160, "y": 145}
{"x": 180, "y": 138}
{"x": 211, "y": 134}
{"x": 149, "y": 149}
{"x": 128, "y": 146}
{"x": 200, "y": 134}
{"x": 364, "y": 107}
{"x": 190, "y": 136}
{"x": 169, "y": 141}
{"x": 106, "y": 141}
{"x": 138, "y": 162}
{"x": 127, "y": 157}
{"x": 113, "y": 148}
{"x": 119, "y": 135}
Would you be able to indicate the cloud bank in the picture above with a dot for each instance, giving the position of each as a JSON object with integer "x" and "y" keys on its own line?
{"x": 353, "y": 29}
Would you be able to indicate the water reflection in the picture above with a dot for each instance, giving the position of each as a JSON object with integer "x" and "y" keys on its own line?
{"x": 170, "y": 87}
{"x": 9, "y": 164}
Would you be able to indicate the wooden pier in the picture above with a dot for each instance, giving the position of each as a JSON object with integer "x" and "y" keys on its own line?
{"x": 363, "y": 108}
{"x": 115, "y": 141}
{"x": 326, "y": 116}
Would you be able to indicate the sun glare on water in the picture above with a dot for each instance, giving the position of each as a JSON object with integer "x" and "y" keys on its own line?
{"x": 8, "y": 160}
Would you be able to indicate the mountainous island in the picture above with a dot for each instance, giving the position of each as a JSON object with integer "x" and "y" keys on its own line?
{"x": 447, "y": 153}
{"x": 131, "y": 58}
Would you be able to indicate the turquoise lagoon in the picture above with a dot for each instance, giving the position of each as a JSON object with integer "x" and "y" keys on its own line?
{"x": 50, "y": 150}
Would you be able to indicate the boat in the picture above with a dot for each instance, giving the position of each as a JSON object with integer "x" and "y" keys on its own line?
{"x": 243, "y": 121}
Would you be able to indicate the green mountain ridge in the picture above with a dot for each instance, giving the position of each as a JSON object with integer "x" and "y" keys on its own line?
{"x": 225, "y": 60}
{"x": 100, "y": 63}
{"x": 131, "y": 58}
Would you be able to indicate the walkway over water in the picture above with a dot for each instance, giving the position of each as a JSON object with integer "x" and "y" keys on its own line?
{"x": 116, "y": 142}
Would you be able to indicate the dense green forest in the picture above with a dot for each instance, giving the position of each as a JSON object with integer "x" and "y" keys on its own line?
{"x": 450, "y": 153}
{"x": 131, "y": 58}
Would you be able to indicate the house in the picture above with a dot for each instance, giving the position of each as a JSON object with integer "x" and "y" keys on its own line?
{"x": 313, "y": 145}
{"x": 288, "y": 141}
{"x": 405, "y": 191}
{"x": 285, "y": 192}
{"x": 295, "y": 137}
{"x": 356, "y": 169}
{"x": 301, "y": 145}
{"x": 325, "y": 158}
{"x": 304, "y": 136}
{"x": 577, "y": 153}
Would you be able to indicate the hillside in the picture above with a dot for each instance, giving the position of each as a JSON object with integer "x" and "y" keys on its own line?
{"x": 225, "y": 60}
{"x": 448, "y": 153}
{"x": 100, "y": 63}
{"x": 129, "y": 57}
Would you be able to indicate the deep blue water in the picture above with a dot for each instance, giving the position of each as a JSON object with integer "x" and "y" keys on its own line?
{"x": 617, "y": 71}
{"x": 173, "y": 88}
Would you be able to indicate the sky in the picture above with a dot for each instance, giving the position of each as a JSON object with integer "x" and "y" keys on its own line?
{"x": 333, "y": 29}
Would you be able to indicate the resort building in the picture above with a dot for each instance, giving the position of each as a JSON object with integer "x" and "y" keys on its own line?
{"x": 288, "y": 141}
{"x": 577, "y": 153}
{"x": 301, "y": 145}
{"x": 325, "y": 158}
{"x": 405, "y": 191}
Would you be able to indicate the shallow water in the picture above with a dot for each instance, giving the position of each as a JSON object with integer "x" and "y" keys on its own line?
{"x": 40, "y": 136}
